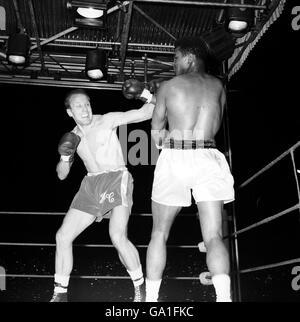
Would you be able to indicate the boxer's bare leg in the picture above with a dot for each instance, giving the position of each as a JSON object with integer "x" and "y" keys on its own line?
{"x": 163, "y": 217}
{"x": 74, "y": 223}
{"x": 127, "y": 252}
{"x": 217, "y": 257}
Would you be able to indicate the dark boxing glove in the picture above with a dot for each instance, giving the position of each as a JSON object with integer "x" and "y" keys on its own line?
{"x": 133, "y": 88}
{"x": 67, "y": 146}
{"x": 154, "y": 85}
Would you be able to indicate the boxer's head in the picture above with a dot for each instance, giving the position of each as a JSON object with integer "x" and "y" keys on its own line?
{"x": 189, "y": 52}
{"x": 77, "y": 103}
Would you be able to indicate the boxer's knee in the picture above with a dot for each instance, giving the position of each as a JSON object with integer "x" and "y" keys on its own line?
{"x": 213, "y": 240}
{"x": 159, "y": 236}
{"x": 118, "y": 238}
{"x": 63, "y": 239}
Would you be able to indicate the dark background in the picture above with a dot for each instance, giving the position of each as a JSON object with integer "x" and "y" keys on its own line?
{"x": 263, "y": 109}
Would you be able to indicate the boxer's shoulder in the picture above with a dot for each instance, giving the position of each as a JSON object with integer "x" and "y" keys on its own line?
{"x": 105, "y": 121}
{"x": 76, "y": 130}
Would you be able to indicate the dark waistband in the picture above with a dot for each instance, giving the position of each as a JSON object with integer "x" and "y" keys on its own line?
{"x": 189, "y": 144}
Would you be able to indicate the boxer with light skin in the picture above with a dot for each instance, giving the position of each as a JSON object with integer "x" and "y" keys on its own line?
{"x": 106, "y": 190}
{"x": 191, "y": 104}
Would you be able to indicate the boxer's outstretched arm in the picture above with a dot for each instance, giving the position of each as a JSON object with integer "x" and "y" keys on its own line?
{"x": 132, "y": 116}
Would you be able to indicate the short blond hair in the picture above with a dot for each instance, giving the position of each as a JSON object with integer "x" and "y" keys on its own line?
{"x": 74, "y": 92}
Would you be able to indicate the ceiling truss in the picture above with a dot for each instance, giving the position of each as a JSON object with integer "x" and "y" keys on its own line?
{"x": 57, "y": 60}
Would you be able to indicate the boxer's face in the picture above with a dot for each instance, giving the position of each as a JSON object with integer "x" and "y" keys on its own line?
{"x": 80, "y": 109}
{"x": 180, "y": 62}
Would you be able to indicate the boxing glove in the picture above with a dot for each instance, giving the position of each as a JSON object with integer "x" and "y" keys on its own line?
{"x": 154, "y": 85}
{"x": 133, "y": 88}
{"x": 67, "y": 146}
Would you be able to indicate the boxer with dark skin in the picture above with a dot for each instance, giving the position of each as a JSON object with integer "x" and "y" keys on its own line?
{"x": 105, "y": 190}
{"x": 191, "y": 104}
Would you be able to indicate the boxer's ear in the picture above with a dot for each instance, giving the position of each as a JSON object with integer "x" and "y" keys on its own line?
{"x": 69, "y": 112}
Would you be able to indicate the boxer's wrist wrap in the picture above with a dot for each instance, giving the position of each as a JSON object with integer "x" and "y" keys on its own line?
{"x": 147, "y": 95}
{"x": 65, "y": 158}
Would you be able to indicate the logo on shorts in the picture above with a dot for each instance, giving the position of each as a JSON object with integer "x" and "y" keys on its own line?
{"x": 108, "y": 196}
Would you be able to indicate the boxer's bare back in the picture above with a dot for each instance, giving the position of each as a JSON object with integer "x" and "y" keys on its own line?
{"x": 194, "y": 106}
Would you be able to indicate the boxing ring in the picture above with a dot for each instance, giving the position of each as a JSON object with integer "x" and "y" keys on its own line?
{"x": 271, "y": 195}
{"x": 32, "y": 265}
{"x": 255, "y": 199}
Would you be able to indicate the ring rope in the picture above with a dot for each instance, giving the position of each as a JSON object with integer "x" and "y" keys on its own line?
{"x": 63, "y": 213}
{"x": 86, "y": 245}
{"x": 264, "y": 221}
{"x": 94, "y": 277}
{"x": 290, "y": 150}
{"x": 295, "y": 174}
{"x": 44, "y": 213}
{"x": 258, "y": 268}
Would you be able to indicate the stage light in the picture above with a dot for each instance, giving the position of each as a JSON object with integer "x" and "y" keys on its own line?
{"x": 237, "y": 25}
{"x": 219, "y": 42}
{"x": 18, "y": 48}
{"x": 220, "y": 46}
{"x": 95, "y": 65}
{"x": 88, "y": 13}
{"x": 239, "y": 20}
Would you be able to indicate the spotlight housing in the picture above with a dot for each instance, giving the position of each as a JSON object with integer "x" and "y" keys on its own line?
{"x": 95, "y": 64}
{"x": 220, "y": 46}
{"x": 240, "y": 20}
{"x": 88, "y": 13}
{"x": 18, "y": 48}
{"x": 219, "y": 43}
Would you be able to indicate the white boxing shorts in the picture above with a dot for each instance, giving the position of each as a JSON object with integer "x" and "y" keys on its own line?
{"x": 202, "y": 171}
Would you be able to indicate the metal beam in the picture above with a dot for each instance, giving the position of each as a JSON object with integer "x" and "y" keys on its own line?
{"x": 165, "y": 49}
{"x": 125, "y": 36}
{"x": 73, "y": 67}
{"x": 207, "y": 4}
{"x": 8, "y": 69}
{"x": 233, "y": 242}
{"x": 58, "y": 63}
{"x": 36, "y": 33}
{"x": 4, "y": 79}
{"x": 19, "y": 22}
{"x": 67, "y": 31}
{"x": 46, "y": 41}
{"x": 117, "y": 7}
{"x": 153, "y": 21}
{"x": 158, "y": 61}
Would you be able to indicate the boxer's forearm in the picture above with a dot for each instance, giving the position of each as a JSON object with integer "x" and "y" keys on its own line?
{"x": 63, "y": 169}
{"x": 157, "y": 124}
{"x": 158, "y": 131}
